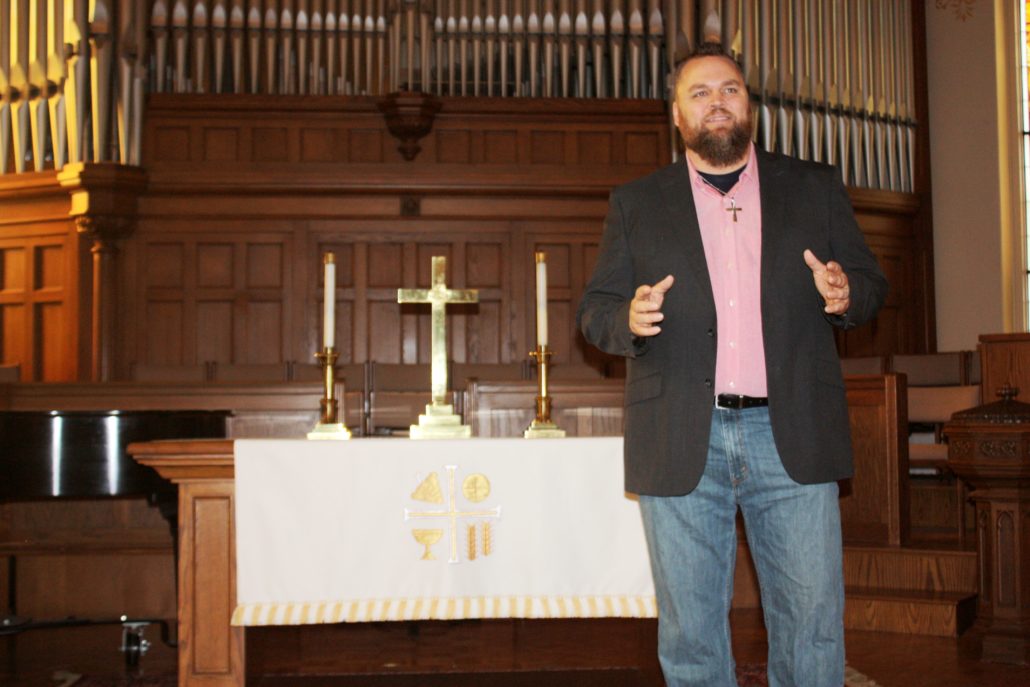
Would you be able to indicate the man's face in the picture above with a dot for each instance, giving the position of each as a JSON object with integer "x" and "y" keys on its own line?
{"x": 712, "y": 111}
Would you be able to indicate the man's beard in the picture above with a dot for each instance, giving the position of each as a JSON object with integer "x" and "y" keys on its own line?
{"x": 719, "y": 148}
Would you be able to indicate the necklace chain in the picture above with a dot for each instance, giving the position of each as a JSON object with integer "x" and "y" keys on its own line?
{"x": 711, "y": 185}
{"x": 734, "y": 208}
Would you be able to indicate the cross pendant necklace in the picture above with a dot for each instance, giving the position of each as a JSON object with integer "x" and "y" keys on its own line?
{"x": 734, "y": 208}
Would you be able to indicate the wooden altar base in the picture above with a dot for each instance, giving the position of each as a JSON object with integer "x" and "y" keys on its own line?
{"x": 491, "y": 653}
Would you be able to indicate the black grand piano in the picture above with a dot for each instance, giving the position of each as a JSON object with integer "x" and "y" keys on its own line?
{"x": 81, "y": 455}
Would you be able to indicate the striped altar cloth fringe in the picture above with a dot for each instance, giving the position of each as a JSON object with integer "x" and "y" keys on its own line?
{"x": 373, "y": 610}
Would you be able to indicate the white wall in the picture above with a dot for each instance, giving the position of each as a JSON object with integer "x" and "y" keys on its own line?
{"x": 974, "y": 141}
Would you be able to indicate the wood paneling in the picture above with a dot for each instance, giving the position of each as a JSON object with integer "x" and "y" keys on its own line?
{"x": 205, "y": 300}
{"x": 245, "y": 193}
{"x": 207, "y": 587}
{"x": 1004, "y": 360}
{"x": 874, "y": 503}
{"x": 38, "y": 288}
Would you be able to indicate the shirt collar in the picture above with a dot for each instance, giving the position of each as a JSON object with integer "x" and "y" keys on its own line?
{"x": 750, "y": 169}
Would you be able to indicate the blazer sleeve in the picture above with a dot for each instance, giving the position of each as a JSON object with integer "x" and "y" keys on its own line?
{"x": 866, "y": 281}
{"x": 603, "y": 314}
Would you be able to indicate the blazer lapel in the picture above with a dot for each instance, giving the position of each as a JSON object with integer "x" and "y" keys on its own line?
{"x": 682, "y": 226}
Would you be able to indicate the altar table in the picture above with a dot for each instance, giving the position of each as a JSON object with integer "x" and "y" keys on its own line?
{"x": 560, "y": 505}
{"x": 372, "y": 530}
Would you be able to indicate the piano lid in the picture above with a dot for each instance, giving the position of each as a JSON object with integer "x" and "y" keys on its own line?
{"x": 79, "y": 454}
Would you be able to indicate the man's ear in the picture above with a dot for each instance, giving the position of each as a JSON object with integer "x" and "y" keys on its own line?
{"x": 676, "y": 116}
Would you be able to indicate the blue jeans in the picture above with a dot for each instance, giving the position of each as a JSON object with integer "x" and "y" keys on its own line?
{"x": 793, "y": 532}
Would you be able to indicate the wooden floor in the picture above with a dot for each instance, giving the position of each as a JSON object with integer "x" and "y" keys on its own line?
{"x": 36, "y": 658}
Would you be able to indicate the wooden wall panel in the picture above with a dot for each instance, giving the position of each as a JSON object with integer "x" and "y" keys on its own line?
{"x": 270, "y": 145}
{"x": 39, "y": 296}
{"x": 13, "y": 325}
{"x": 384, "y": 332}
{"x": 207, "y": 299}
{"x": 50, "y": 325}
{"x": 265, "y": 266}
{"x": 264, "y": 333}
{"x": 366, "y": 145}
{"x": 214, "y": 265}
{"x": 12, "y": 269}
{"x": 13, "y": 320}
{"x": 237, "y": 244}
{"x": 594, "y": 147}
{"x": 214, "y": 331}
{"x": 547, "y": 147}
{"x": 453, "y": 146}
{"x": 50, "y": 272}
{"x": 171, "y": 144}
{"x": 643, "y": 149}
{"x": 164, "y": 265}
{"x": 162, "y": 337}
{"x": 875, "y": 502}
{"x": 319, "y": 144}
{"x": 500, "y": 147}
{"x": 221, "y": 144}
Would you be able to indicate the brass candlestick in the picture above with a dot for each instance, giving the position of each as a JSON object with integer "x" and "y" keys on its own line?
{"x": 330, "y": 426}
{"x": 543, "y": 427}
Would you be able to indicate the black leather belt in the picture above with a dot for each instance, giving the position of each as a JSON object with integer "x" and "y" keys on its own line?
{"x": 736, "y": 402}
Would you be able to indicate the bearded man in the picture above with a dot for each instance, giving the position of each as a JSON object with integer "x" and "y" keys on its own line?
{"x": 721, "y": 278}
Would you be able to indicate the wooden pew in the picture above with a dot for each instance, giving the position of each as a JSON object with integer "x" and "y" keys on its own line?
{"x": 581, "y": 408}
{"x": 258, "y": 410}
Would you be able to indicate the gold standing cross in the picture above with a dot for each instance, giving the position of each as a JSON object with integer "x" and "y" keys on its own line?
{"x": 439, "y": 297}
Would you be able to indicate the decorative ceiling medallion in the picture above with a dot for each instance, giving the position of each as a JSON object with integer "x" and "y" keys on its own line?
{"x": 963, "y": 8}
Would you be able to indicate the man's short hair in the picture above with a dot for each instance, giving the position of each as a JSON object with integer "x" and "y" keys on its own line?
{"x": 704, "y": 49}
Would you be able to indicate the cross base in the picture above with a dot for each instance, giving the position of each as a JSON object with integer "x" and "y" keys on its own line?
{"x": 329, "y": 431}
{"x": 543, "y": 430}
{"x": 440, "y": 422}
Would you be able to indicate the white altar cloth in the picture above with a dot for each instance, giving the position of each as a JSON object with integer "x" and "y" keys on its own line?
{"x": 390, "y": 529}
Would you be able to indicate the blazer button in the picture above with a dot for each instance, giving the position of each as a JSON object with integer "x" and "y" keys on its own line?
{"x": 708, "y": 383}
{"x": 710, "y": 332}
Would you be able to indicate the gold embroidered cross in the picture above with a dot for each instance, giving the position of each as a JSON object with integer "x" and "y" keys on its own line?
{"x": 472, "y": 491}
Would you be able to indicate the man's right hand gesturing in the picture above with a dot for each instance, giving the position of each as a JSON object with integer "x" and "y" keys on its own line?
{"x": 645, "y": 308}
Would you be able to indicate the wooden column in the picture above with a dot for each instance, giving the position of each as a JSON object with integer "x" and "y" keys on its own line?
{"x": 211, "y": 652}
{"x": 103, "y": 206}
{"x": 989, "y": 448}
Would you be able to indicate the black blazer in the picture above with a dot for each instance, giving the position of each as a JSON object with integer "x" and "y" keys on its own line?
{"x": 651, "y": 230}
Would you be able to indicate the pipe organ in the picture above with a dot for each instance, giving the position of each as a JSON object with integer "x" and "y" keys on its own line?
{"x": 830, "y": 80}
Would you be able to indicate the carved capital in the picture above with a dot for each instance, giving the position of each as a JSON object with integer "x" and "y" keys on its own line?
{"x": 102, "y": 188}
{"x": 409, "y": 117}
{"x": 104, "y": 230}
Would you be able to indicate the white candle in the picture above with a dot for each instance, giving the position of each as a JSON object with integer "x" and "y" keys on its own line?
{"x": 541, "y": 299}
{"x": 329, "y": 302}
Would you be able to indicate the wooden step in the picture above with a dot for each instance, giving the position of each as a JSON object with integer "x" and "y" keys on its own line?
{"x": 939, "y": 614}
{"x": 913, "y": 569}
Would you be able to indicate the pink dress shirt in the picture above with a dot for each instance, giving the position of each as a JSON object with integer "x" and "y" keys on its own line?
{"x": 733, "y": 250}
